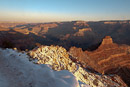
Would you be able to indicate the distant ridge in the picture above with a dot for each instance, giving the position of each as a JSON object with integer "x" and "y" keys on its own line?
{"x": 11, "y": 22}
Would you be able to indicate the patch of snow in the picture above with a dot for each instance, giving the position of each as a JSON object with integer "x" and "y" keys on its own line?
{"x": 17, "y": 71}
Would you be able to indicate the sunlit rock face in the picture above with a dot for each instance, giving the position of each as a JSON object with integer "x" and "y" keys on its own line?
{"x": 108, "y": 58}
{"x": 81, "y": 32}
{"x": 59, "y": 59}
{"x": 107, "y": 40}
{"x": 107, "y": 43}
{"x": 109, "y": 55}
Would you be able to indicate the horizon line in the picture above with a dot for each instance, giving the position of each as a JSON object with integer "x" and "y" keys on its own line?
{"x": 65, "y": 21}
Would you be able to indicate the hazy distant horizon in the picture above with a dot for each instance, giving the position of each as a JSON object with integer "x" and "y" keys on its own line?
{"x": 54, "y": 10}
{"x": 57, "y": 21}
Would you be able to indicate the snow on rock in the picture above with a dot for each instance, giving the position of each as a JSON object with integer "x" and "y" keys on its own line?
{"x": 17, "y": 71}
{"x": 58, "y": 59}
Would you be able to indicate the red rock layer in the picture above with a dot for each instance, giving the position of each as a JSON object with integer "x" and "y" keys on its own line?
{"x": 109, "y": 58}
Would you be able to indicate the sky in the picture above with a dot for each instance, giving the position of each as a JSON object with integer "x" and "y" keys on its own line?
{"x": 64, "y": 10}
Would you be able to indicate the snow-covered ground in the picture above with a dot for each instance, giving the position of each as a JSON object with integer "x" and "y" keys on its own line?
{"x": 17, "y": 71}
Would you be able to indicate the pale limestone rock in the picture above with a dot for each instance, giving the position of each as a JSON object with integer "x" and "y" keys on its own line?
{"x": 58, "y": 58}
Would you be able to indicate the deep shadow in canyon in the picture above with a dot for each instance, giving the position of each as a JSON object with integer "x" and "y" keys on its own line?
{"x": 123, "y": 72}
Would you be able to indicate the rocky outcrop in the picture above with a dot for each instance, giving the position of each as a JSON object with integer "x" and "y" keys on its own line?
{"x": 65, "y": 37}
{"x": 107, "y": 43}
{"x": 82, "y": 31}
{"x": 10, "y": 24}
{"x": 107, "y": 40}
{"x": 110, "y": 53}
{"x": 23, "y": 31}
{"x": 59, "y": 59}
{"x": 81, "y": 23}
{"x": 110, "y": 22}
{"x": 43, "y": 28}
{"x": 116, "y": 22}
{"x": 37, "y": 29}
{"x": 109, "y": 58}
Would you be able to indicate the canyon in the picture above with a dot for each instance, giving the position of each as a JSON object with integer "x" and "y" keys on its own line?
{"x": 81, "y": 34}
{"x": 97, "y": 53}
